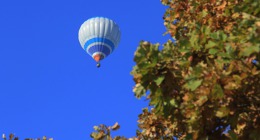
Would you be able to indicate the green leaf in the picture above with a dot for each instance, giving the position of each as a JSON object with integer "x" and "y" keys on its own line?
{"x": 194, "y": 40}
{"x": 213, "y": 51}
{"x": 227, "y": 12}
{"x": 156, "y": 97}
{"x": 204, "y": 13}
{"x": 159, "y": 107}
{"x": 232, "y": 135}
{"x": 247, "y": 51}
{"x": 219, "y": 35}
{"x": 186, "y": 43}
{"x": 230, "y": 51}
{"x": 223, "y": 36}
{"x": 206, "y": 30}
{"x": 224, "y": 55}
{"x": 173, "y": 103}
{"x": 139, "y": 90}
{"x": 193, "y": 84}
{"x": 211, "y": 44}
{"x": 214, "y": 35}
{"x": 159, "y": 80}
{"x": 237, "y": 79}
{"x": 217, "y": 92}
{"x": 188, "y": 137}
{"x": 154, "y": 101}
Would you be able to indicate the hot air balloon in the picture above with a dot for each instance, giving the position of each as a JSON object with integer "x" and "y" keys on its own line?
{"x": 99, "y": 37}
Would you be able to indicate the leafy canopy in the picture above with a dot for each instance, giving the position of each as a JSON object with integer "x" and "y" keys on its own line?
{"x": 202, "y": 85}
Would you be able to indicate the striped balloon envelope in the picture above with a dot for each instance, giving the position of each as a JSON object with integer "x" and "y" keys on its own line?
{"x": 99, "y": 37}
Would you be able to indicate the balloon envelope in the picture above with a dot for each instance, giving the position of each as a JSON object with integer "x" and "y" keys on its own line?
{"x": 99, "y": 37}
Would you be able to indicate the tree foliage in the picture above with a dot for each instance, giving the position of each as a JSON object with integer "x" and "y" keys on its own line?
{"x": 205, "y": 81}
{"x": 202, "y": 85}
{"x": 13, "y": 137}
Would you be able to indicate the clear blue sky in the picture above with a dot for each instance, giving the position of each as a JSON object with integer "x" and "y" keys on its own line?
{"x": 50, "y": 86}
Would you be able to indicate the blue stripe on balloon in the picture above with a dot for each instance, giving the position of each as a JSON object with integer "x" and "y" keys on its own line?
{"x": 99, "y": 48}
{"x": 99, "y": 39}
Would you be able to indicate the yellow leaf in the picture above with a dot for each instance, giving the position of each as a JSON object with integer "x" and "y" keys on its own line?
{"x": 240, "y": 127}
{"x": 235, "y": 15}
{"x": 222, "y": 6}
{"x": 258, "y": 23}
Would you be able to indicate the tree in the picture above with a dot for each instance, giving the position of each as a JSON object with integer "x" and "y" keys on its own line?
{"x": 12, "y": 137}
{"x": 203, "y": 84}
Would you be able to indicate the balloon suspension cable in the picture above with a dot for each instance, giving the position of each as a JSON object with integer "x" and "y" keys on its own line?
{"x": 98, "y": 64}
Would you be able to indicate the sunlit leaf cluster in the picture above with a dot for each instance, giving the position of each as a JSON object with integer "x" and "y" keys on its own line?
{"x": 103, "y": 132}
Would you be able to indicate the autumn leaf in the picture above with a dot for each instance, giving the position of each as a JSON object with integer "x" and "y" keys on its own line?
{"x": 222, "y": 6}
{"x": 222, "y": 112}
{"x": 201, "y": 100}
{"x": 116, "y": 126}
